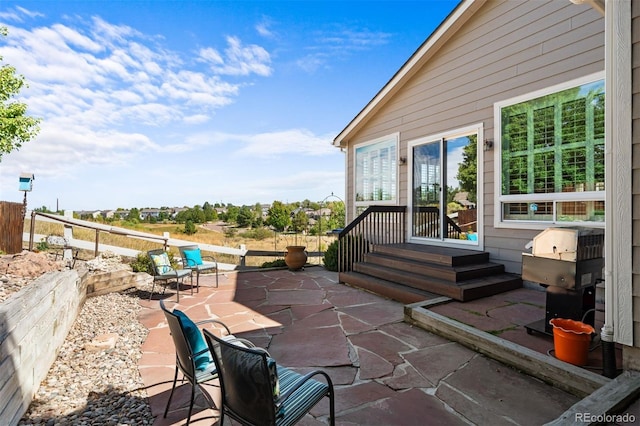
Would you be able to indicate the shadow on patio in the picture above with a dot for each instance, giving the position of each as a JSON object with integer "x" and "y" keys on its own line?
{"x": 385, "y": 371}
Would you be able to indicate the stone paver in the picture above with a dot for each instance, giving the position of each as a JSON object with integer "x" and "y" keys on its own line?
{"x": 385, "y": 371}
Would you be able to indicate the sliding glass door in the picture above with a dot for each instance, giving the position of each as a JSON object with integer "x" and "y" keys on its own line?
{"x": 445, "y": 189}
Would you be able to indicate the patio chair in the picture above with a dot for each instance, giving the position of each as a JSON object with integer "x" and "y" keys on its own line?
{"x": 163, "y": 271}
{"x": 192, "y": 259}
{"x": 62, "y": 248}
{"x": 193, "y": 358}
{"x": 257, "y": 391}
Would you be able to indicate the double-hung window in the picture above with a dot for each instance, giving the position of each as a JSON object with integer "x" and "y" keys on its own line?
{"x": 550, "y": 156}
{"x": 376, "y": 172}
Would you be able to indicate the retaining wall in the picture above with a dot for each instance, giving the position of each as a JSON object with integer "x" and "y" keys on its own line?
{"x": 33, "y": 324}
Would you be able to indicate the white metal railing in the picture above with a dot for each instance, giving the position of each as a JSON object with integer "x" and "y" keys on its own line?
{"x": 98, "y": 247}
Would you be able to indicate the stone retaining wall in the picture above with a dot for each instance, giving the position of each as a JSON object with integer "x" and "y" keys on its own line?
{"x": 33, "y": 324}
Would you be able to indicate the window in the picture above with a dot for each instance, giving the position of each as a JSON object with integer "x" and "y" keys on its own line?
{"x": 551, "y": 155}
{"x": 376, "y": 171}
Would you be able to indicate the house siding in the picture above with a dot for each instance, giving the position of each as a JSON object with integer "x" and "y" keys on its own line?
{"x": 506, "y": 49}
{"x": 632, "y": 357}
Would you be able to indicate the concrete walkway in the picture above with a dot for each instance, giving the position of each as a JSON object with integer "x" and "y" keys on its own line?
{"x": 385, "y": 372}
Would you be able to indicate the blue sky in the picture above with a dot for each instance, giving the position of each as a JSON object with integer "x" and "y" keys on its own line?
{"x": 174, "y": 103}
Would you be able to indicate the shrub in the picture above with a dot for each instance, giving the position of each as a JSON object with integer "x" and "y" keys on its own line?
{"x": 257, "y": 234}
{"x": 278, "y": 263}
{"x": 190, "y": 227}
{"x": 359, "y": 244}
{"x": 42, "y": 245}
{"x": 142, "y": 263}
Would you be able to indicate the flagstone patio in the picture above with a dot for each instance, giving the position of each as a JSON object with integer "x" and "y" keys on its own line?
{"x": 385, "y": 371}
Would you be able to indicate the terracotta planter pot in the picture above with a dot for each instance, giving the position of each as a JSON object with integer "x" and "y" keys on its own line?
{"x": 296, "y": 257}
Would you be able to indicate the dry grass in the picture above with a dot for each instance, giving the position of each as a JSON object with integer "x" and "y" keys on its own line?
{"x": 278, "y": 242}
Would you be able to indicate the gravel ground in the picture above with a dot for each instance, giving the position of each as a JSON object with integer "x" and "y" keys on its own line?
{"x": 88, "y": 384}
{"x": 86, "y": 387}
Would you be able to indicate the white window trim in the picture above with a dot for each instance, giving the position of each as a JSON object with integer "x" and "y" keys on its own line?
{"x": 394, "y": 202}
{"x": 498, "y": 222}
{"x": 462, "y": 131}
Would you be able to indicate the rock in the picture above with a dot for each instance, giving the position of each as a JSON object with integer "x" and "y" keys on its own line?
{"x": 107, "y": 262}
{"x": 28, "y": 264}
{"x": 102, "y": 342}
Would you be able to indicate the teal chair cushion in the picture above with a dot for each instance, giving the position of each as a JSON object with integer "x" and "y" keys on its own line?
{"x": 194, "y": 336}
{"x": 193, "y": 257}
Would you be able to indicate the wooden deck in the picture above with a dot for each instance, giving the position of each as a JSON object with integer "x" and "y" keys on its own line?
{"x": 413, "y": 272}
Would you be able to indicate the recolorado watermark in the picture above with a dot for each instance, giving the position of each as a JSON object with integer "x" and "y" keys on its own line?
{"x": 605, "y": 418}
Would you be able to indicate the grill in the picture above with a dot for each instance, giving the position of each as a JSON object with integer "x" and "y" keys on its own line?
{"x": 568, "y": 262}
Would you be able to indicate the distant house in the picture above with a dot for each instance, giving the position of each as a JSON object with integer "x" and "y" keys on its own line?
{"x": 462, "y": 198}
{"x": 176, "y": 210}
{"x": 519, "y": 86}
{"x": 89, "y": 214}
{"x": 145, "y": 214}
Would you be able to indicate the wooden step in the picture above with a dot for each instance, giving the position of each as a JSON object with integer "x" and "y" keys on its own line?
{"x": 434, "y": 254}
{"x": 462, "y": 291}
{"x": 388, "y": 289}
{"x": 435, "y": 270}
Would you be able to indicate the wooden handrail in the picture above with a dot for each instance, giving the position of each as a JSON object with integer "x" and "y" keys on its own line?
{"x": 376, "y": 225}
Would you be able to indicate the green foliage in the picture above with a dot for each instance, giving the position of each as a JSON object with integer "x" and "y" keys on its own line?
{"x": 194, "y": 214}
{"x": 134, "y": 215}
{"x": 468, "y": 168}
{"x": 300, "y": 221}
{"x": 142, "y": 263}
{"x": 330, "y": 258}
{"x": 357, "y": 245}
{"x": 190, "y": 227}
{"x": 230, "y": 232}
{"x": 257, "y": 234}
{"x": 278, "y": 263}
{"x": 279, "y": 216}
{"x": 232, "y": 214}
{"x": 245, "y": 217}
{"x": 42, "y": 245}
{"x": 16, "y": 128}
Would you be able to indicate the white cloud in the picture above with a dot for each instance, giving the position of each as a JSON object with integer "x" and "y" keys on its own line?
{"x": 264, "y": 28}
{"x": 18, "y": 14}
{"x": 286, "y": 142}
{"x": 327, "y": 45}
{"x": 238, "y": 60}
{"x": 117, "y": 105}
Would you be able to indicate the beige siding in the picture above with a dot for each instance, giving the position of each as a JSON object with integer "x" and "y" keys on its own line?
{"x": 635, "y": 57}
{"x": 506, "y": 49}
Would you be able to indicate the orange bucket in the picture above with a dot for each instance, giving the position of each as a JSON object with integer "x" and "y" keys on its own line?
{"x": 571, "y": 340}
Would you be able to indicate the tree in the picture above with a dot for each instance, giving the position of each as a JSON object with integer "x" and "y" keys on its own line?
{"x": 244, "y": 218}
{"x": 190, "y": 227}
{"x": 468, "y": 168}
{"x": 278, "y": 216}
{"x": 232, "y": 214}
{"x": 16, "y": 127}
{"x": 300, "y": 221}
{"x": 134, "y": 215}
{"x": 209, "y": 212}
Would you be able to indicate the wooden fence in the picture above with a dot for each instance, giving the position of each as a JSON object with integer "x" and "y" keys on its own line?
{"x": 11, "y": 226}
